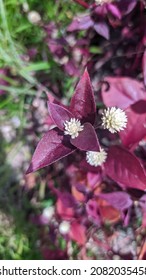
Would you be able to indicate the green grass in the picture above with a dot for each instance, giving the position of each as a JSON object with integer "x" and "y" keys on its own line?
{"x": 18, "y": 237}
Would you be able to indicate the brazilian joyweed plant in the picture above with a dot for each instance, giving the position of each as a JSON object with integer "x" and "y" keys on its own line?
{"x": 76, "y": 128}
{"x": 99, "y": 140}
{"x": 84, "y": 206}
{"x": 88, "y": 201}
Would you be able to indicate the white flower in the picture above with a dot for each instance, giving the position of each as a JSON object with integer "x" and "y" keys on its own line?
{"x": 34, "y": 17}
{"x": 48, "y": 212}
{"x": 64, "y": 227}
{"x": 96, "y": 158}
{"x": 73, "y": 127}
{"x": 114, "y": 119}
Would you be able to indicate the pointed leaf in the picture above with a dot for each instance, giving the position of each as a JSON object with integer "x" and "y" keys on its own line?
{"x": 53, "y": 99}
{"x": 52, "y": 147}
{"x": 122, "y": 92}
{"x": 102, "y": 29}
{"x": 87, "y": 139}
{"x": 83, "y": 103}
{"x": 119, "y": 200}
{"x": 114, "y": 10}
{"x": 126, "y": 6}
{"x": 59, "y": 114}
{"x": 136, "y": 126}
{"x": 123, "y": 167}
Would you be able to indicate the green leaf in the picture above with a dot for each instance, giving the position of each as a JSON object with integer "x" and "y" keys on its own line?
{"x": 37, "y": 66}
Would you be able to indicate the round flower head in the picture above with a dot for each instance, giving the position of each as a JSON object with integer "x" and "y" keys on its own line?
{"x": 96, "y": 158}
{"x": 73, "y": 127}
{"x": 64, "y": 227}
{"x": 114, "y": 119}
{"x": 34, "y": 17}
{"x": 48, "y": 212}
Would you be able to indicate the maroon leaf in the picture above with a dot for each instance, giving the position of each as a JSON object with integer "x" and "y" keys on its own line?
{"x": 144, "y": 67}
{"x": 122, "y": 92}
{"x": 87, "y": 139}
{"x": 123, "y": 167}
{"x": 52, "y": 147}
{"x": 119, "y": 200}
{"x": 136, "y": 126}
{"x": 82, "y": 102}
{"x": 59, "y": 114}
{"x": 102, "y": 29}
{"x": 87, "y": 167}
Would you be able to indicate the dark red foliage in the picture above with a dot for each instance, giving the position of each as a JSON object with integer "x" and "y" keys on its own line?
{"x": 136, "y": 126}
{"x": 122, "y": 92}
{"x": 55, "y": 145}
{"x": 124, "y": 168}
{"x": 112, "y": 47}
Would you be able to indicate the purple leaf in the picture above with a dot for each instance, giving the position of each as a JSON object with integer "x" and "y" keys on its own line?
{"x": 144, "y": 67}
{"x": 83, "y": 103}
{"x": 87, "y": 139}
{"x": 59, "y": 114}
{"x": 114, "y": 10}
{"x": 82, "y": 22}
{"x": 52, "y": 147}
{"x": 71, "y": 68}
{"x": 93, "y": 212}
{"x": 81, "y": 188}
{"x": 126, "y": 6}
{"x": 136, "y": 126}
{"x": 119, "y": 200}
{"x": 123, "y": 167}
{"x": 122, "y": 92}
{"x": 93, "y": 179}
{"x": 102, "y": 29}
